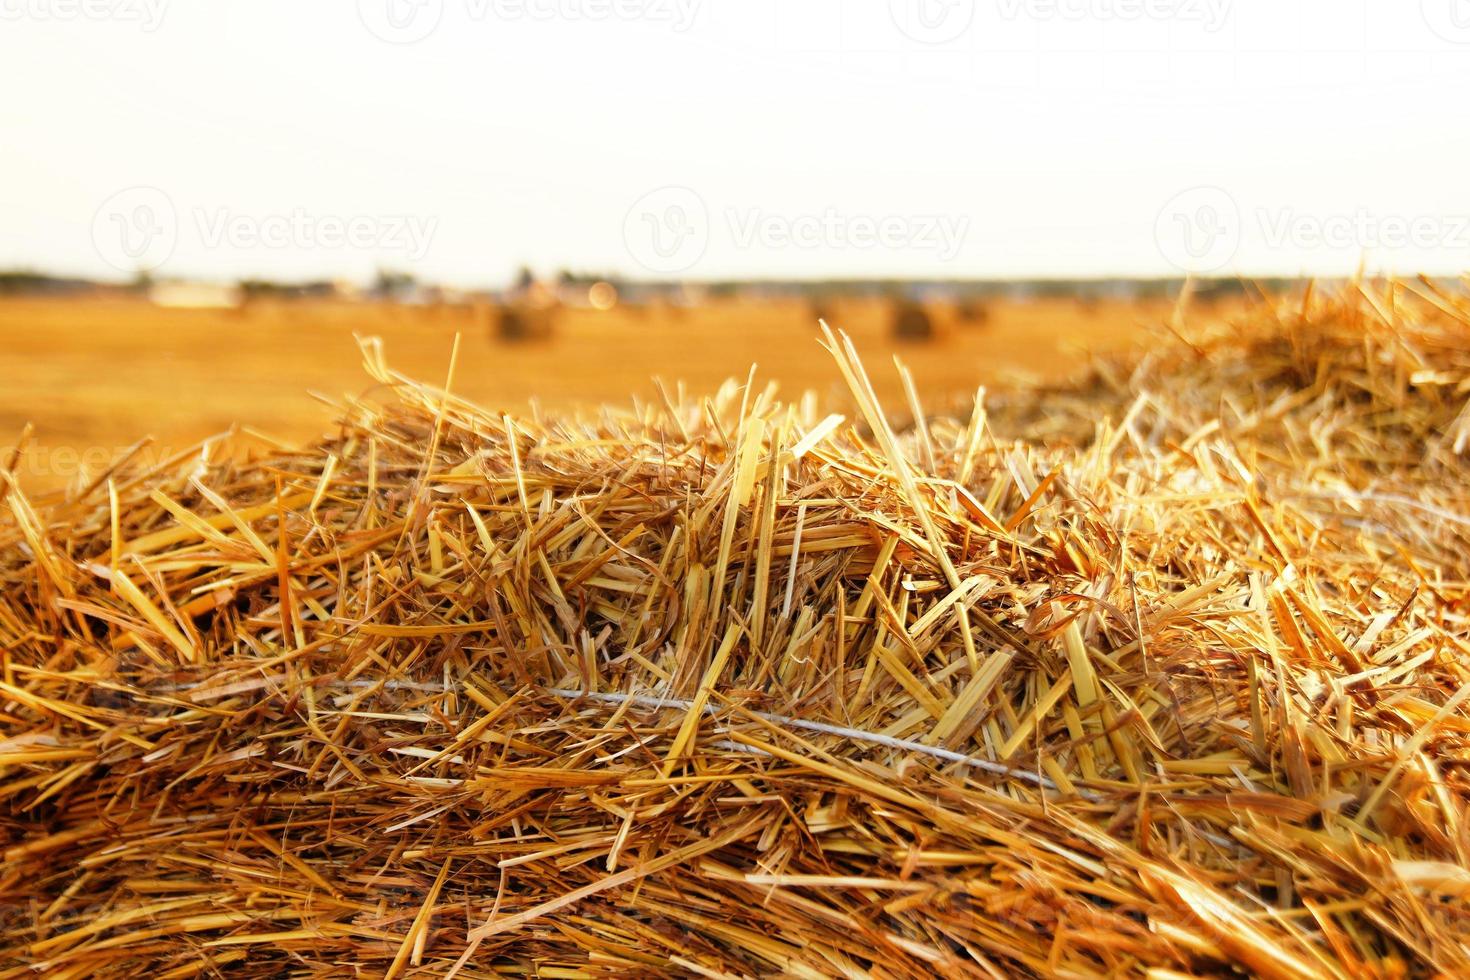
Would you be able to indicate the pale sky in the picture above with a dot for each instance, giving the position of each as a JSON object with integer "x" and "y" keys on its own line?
{"x": 457, "y": 139}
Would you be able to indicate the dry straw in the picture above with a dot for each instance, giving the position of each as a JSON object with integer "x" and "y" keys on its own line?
{"x": 1162, "y": 673}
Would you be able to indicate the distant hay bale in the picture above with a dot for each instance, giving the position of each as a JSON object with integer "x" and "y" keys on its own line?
{"x": 911, "y": 322}
{"x": 821, "y": 308}
{"x": 734, "y": 687}
{"x": 523, "y": 323}
{"x": 972, "y": 312}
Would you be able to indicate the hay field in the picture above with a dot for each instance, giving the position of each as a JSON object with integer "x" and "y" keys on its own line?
{"x": 96, "y": 375}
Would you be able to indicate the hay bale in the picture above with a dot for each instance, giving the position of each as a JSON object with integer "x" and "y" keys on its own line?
{"x": 972, "y": 312}
{"x": 523, "y": 323}
{"x": 910, "y": 321}
{"x": 646, "y": 692}
{"x": 822, "y": 307}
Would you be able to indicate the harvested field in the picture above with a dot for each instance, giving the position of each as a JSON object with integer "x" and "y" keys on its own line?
{"x": 94, "y": 376}
{"x": 1160, "y": 669}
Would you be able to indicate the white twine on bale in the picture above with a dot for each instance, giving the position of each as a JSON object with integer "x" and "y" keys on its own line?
{"x": 857, "y": 734}
{"x": 649, "y": 701}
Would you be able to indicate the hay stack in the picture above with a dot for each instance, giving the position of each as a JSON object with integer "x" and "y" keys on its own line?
{"x": 972, "y": 311}
{"x": 910, "y": 321}
{"x": 726, "y": 689}
{"x": 524, "y": 322}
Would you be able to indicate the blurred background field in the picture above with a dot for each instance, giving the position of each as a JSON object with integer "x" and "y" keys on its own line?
{"x": 94, "y": 374}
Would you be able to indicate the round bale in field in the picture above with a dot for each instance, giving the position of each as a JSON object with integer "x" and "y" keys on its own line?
{"x": 519, "y": 323}
{"x": 972, "y": 312}
{"x": 821, "y": 307}
{"x": 911, "y": 322}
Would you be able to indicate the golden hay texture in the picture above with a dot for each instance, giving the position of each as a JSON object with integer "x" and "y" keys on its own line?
{"x": 1165, "y": 671}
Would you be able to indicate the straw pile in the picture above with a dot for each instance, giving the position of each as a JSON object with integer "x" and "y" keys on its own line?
{"x": 1171, "y": 681}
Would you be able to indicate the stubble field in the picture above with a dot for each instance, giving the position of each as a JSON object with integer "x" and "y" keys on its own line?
{"x": 94, "y": 376}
